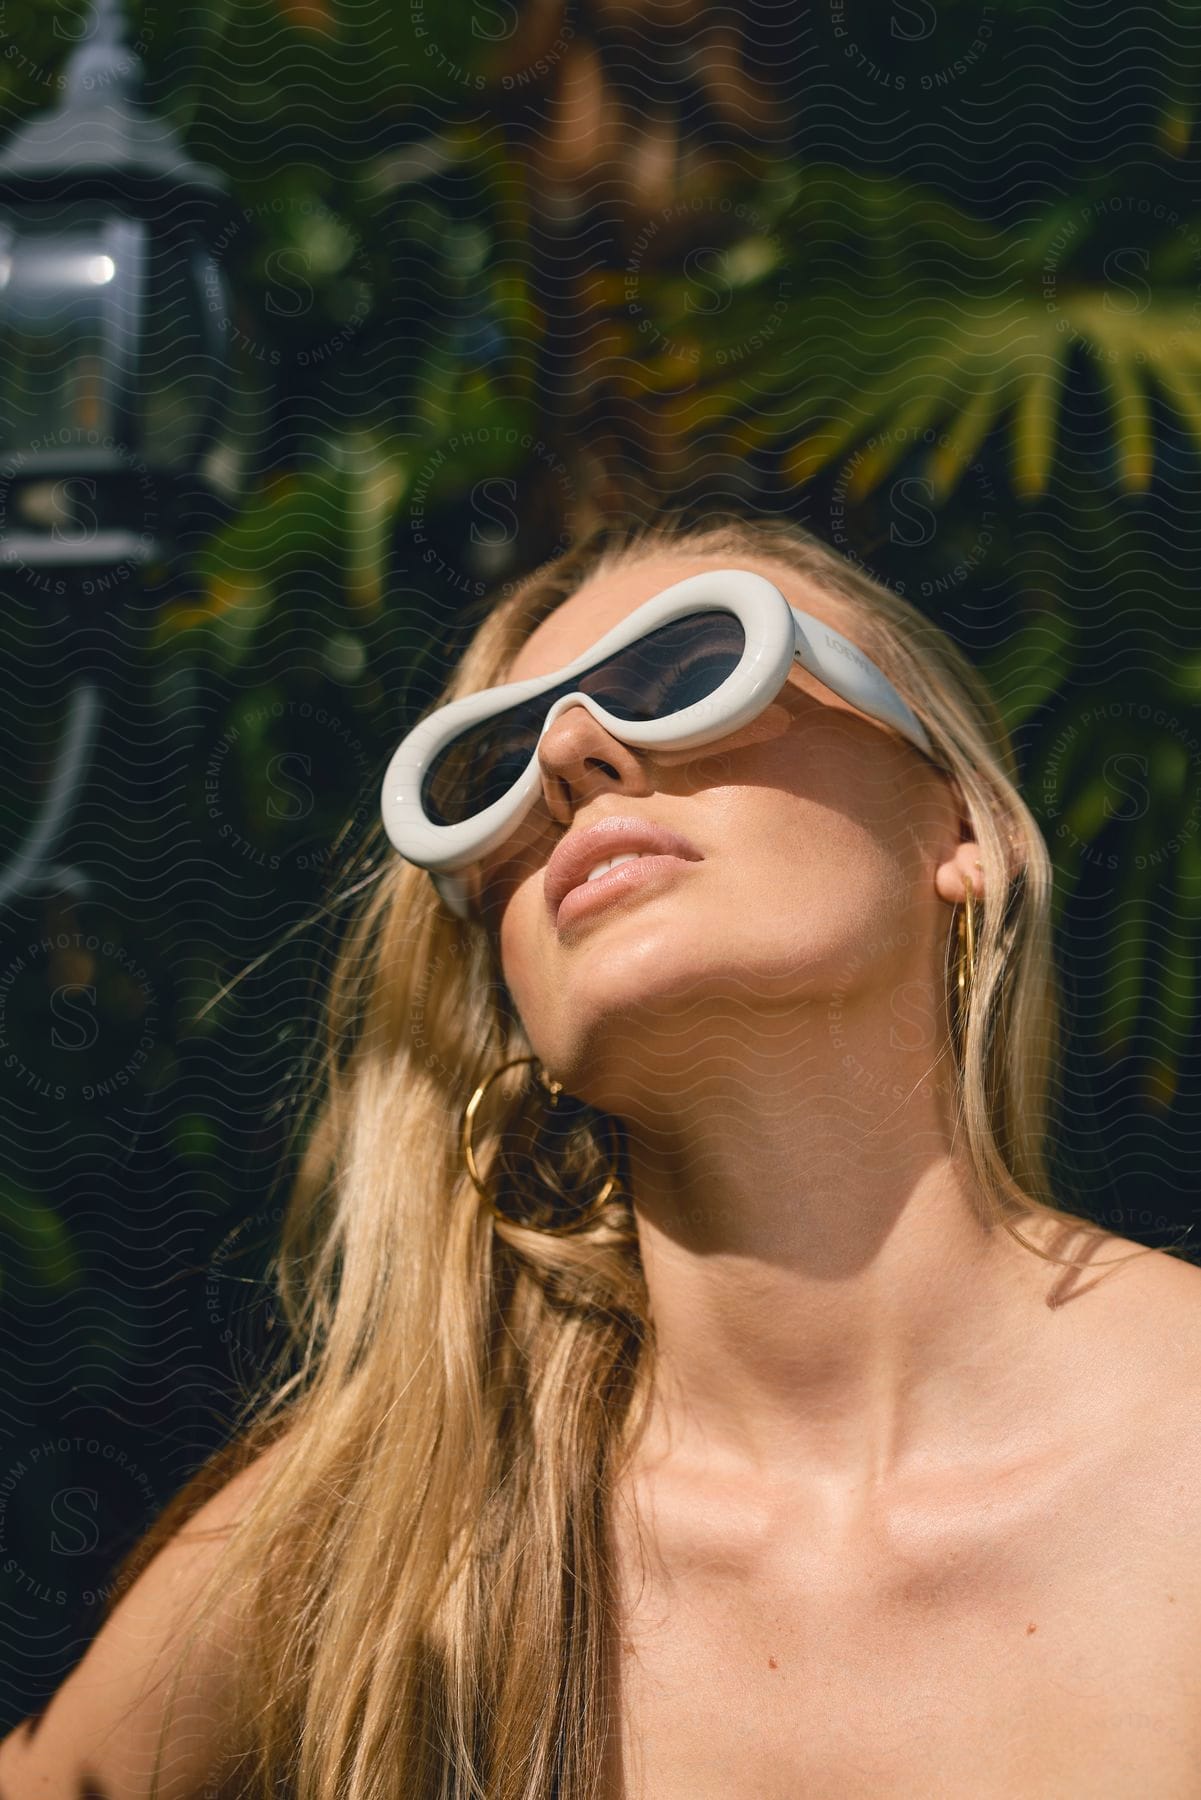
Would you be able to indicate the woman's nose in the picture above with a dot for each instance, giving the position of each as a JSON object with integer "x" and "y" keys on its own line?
{"x": 578, "y": 757}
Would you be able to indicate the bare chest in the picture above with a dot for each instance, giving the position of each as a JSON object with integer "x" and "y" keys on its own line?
{"x": 1048, "y": 1647}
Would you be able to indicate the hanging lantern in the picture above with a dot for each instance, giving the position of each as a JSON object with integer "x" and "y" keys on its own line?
{"x": 113, "y": 370}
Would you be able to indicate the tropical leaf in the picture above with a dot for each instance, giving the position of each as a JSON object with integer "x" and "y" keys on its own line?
{"x": 1175, "y": 995}
{"x": 1032, "y": 665}
{"x": 917, "y": 315}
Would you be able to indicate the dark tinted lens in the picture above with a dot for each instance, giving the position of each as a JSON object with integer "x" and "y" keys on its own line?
{"x": 659, "y": 674}
{"x": 669, "y": 669}
{"x": 481, "y": 764}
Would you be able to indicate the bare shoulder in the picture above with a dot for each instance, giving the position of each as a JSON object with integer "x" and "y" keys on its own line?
{"x": 1136, "y": 1280}
{"x": 1152, "y": 1500}
{"x": 1153, "y": 1344}
{"x": 1172, "y": 1318}
{"x": 100, "y": 1732}
{"x": 1119, "y": 1512}
{"x": 1163, "y": 1296}
{"x": 1152, "y": 1308}
{"x": 1127, "y": 1319}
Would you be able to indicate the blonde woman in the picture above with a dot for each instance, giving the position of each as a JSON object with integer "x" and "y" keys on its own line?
{"x": 697, "y": 1393}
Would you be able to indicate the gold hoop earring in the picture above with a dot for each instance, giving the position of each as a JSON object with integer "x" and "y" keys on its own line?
{"x": 967, "y": 944}
{"x": 554, "y": 1089}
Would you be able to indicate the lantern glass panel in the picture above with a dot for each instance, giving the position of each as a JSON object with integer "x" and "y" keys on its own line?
{"x": 182, "y": 353}
{"x": 70, "y": 310}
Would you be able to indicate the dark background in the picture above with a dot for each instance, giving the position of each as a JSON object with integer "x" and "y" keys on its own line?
{"x": 928, "y": 282}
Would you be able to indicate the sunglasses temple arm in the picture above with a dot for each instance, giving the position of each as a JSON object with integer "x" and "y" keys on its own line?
{"x": 454, "y": 892}
{"x": 847, "y": 672}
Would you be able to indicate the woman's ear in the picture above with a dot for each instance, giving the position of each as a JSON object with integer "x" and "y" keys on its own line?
{"x": 966, "y": 861}
{"x": 964, "y": 865}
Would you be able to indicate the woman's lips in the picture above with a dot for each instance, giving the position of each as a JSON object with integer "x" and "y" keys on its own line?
{"x": 582, "y": 849}
{"x": 626, "y": 878}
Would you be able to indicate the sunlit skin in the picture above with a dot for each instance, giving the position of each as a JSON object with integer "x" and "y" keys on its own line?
{"x": 833, "y": 1323}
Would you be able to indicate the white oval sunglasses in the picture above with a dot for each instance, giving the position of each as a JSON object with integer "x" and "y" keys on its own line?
{"x": 692, "y": 664}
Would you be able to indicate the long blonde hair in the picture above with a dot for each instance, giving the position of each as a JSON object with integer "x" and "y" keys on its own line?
{"x": 426, "y": 1567}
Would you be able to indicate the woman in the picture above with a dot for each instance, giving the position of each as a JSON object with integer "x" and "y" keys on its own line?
{"x": 730, "y": 1411}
